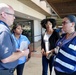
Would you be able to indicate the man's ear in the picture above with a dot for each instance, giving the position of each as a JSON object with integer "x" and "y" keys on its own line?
{"x": 73, "y": 23}
{"x": 3, "y": 14}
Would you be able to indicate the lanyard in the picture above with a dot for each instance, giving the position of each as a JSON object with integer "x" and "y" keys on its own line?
{"x": 63, "y": 41}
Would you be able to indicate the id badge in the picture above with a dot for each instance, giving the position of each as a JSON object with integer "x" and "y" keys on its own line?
{"x": 57, "y": 49}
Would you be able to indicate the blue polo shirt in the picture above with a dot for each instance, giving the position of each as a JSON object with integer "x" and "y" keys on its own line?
{"x": 17, "y": 43}
{"x": 7, "y": 46}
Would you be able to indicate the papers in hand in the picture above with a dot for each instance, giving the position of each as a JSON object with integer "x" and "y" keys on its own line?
{"x": 23, "y": 45}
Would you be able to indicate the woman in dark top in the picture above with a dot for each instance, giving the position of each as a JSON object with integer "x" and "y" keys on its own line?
{"x": 48, "y": 41}
{"x": 65, "y": 61}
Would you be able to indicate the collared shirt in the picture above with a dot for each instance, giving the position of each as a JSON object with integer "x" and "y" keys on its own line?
{"x": 18, "y": 42}
{"x": 7, "y": 46}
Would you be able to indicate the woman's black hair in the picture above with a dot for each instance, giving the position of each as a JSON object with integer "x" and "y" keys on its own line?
{"x": 15, "y": 25}
{"x": 53, "y": 21}
{"x": 44, "y": 22}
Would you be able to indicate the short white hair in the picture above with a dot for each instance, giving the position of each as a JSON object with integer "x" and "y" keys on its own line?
{"x": 4, "y": 7}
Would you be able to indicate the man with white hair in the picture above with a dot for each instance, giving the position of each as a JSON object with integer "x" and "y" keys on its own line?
{"x": 8, "y": 54}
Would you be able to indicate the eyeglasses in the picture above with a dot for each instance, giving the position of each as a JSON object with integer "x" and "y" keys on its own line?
{"x": 64, "y": 23}
{"x": 10, "y": 14}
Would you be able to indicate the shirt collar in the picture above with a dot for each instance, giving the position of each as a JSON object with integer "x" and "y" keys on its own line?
{"x": 4, "y": 23}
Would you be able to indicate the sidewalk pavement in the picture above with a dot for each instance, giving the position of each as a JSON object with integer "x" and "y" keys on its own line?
{"x": 34, "y": 65}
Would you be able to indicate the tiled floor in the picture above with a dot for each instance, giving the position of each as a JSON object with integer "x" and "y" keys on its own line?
{"x": 34, "y": 65}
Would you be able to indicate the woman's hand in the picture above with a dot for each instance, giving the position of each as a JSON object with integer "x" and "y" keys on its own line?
{"x": 43, "y": 52}
{"x": 47, "y": 53}
{"x": 29, "y": 56}
{"x": 50, "y": 52}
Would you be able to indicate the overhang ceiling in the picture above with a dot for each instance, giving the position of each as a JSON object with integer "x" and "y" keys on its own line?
{"x": 34, "y": 6}
{"x": 63, "y": 7}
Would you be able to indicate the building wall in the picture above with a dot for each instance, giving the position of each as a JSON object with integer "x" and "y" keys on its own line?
{"x": 20, "y": 8}
{"x": 22, "y": 11}
{"x": 37, "y": 30}
{"x": 43, "y": 5}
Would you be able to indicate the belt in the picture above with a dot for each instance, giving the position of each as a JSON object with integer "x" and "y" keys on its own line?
{"x": 10, "y": 70}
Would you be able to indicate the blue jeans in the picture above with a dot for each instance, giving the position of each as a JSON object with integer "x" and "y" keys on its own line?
{"x": 20, "y": 68}
{"x": 45, "y": 63}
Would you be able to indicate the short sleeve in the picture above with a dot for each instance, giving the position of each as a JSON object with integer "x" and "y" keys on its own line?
{"x": 5, "y": 45}
{"x": 27, "y": 40}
